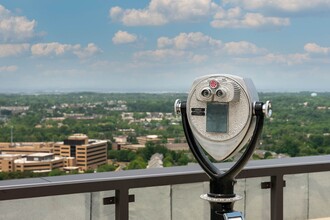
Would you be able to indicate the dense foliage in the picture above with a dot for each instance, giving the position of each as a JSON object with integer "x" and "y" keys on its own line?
{"x": 138, "y": 159}
{"x": 299, "y": 125}
{"x": 31, "y": 174}
{"x": 104, "y": 123}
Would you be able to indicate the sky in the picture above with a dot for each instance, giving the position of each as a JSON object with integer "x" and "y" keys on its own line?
{"x": 162, "y": 45}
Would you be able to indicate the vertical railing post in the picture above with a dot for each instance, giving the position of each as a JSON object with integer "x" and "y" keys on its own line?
{"x": 276, "y": 197}
{"x": 122, "y": 200}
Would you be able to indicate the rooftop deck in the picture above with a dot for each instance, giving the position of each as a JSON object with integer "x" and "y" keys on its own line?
{"x": 289, "y": 188}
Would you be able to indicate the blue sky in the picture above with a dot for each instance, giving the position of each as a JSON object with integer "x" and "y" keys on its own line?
{"x": 162, "y": 45}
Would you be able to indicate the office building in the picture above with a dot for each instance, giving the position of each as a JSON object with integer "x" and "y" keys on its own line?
{"x": 76, "y": 152}
{"x": 26, "y": 147}
{"x": 39, "y": 162}
{"x": 7, "y": 162}
{"x": 89, "y": 154}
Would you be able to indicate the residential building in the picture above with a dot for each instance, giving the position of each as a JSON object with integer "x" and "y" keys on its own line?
{"x": 156, "y": 161}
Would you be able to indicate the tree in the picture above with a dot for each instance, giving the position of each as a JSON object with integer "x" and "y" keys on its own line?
{"x": 289, "y": 146}
{"x": 138, "y": 163}
{"x": 183, "y": 160}
{"x": 268, "y": 155}
{"x": 56, "y": 172}
{"x": 168, "y": 160}
{"x": 106, "y": 168}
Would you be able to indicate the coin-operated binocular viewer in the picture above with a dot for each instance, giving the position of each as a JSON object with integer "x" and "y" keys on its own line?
{"x": 222, "y": 115}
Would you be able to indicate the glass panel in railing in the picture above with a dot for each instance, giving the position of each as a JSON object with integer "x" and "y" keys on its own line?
{"x": 64, "y": 207}
{"x": 257, "y": 200}
{"x": 100, "y": 211}
{"x": 295, "y": 197}
{"x": 319, "y": 195}
{"x": 186, "y": 201}
{"x": 240, "y": 188}
{"x": 151, "y": 203}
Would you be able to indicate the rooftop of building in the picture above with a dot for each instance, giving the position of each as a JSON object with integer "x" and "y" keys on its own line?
{"x": 26, "y": 144}
{"x": 40, "y": 154}
{"x": 26, "y": 159}
{"x": 10, "y": 155}
{"x": 78, "y": 137}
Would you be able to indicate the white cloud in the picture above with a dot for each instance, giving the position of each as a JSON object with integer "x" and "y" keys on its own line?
{"x": 181, "y": 48}
{"x": 160, "y": 12}
{"x": 189, "y": 41}
{"x": 257, "y": 20}
{"x": 163, "y": 42}
{"x": 197, "y": 58}
{"x": 11, "y": 68}
{"x": 198, "y": 40}
{"x": 289, "y": 59}
{"x": 294, "y": 58}
{"x": 169, "y": 55}
{"x": 183, "y": 9}
{"x": 282, "y": 5}
{"x": 133, "y": 17}
{"x": 160, "y": 54}
{"x": 231, "y": 13}
{"x": 197, "y": 47}
{"x": 123, "y": 37}
{"x": 137, "y": 17}
{"x": 272, "y": 58}
{"x": 236, "y": 18}
{"x": 116, "y": 13}
{"x": 315, "y": 48}
{"x": 88, "y": 51}
{"x": 15, "y": 28}
{"x": 7, "y": 50}
{"x": 242, "y": 47}
{"x": 55, "y": 48}
{"x": 4, "y": 12}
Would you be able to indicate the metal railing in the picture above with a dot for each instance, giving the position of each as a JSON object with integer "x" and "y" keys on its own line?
{"x": 122, "y": 182}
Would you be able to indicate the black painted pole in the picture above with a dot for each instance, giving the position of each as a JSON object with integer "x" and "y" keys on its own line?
{"x": 222, "y": 196}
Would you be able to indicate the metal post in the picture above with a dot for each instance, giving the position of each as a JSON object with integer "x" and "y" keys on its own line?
{"x": 11, "y": 136}
{"x": 122, "y": 200}
{"x": 276, "y": 201}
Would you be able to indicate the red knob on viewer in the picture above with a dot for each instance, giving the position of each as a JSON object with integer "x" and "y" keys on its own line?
{"x": 213, "y": 84}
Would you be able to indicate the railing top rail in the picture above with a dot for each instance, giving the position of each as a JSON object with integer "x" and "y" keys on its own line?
{"x": 61, "y": 185}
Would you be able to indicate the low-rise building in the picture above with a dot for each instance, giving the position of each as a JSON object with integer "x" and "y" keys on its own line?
{"x": 76, "y": 152}
{"x": 156, "y": 161}
{"x": 177, "y": 146}
{"x": 39, "y": 162}
{"x": 26, "y": 147}
{"x": 7, "y": 162}
{"x": 148, "y": 138}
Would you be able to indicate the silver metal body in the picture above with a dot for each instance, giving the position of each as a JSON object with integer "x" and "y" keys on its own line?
{"x": 229, "y": 99}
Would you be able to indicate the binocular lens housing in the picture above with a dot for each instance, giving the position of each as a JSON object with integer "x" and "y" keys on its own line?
{"x": 220, "y": 112}
{"x": 206, "y": 93}
{"x": 219, "y": 93}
